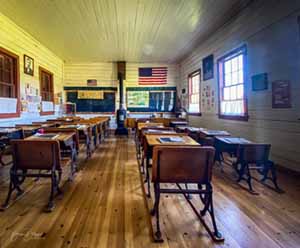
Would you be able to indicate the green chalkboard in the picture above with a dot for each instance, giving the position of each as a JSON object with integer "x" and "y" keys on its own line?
{"x": 108, "y": 104}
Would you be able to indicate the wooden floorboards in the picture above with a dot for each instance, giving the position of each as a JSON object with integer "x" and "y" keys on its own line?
{"x": 104, "y": 207}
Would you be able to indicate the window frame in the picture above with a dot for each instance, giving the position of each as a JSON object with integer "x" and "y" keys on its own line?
{"x": 234, "y": 53}
{"x": 17, "y": 84}
{"x": 43, "y": 70}
{"x": 190, "y": 76}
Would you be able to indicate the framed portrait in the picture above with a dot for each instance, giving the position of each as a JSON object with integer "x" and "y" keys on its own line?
{"x": 28, "y": 65}
{"x": 208, "y": 67}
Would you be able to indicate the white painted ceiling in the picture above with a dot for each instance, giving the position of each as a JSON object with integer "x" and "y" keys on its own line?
{"x": 130, "y": 30}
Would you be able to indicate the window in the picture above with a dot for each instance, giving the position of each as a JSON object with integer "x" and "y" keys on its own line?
{"x": 47, "y": 90}
{"x": 9, "y": 80}
{"x": 232, "y": 98}
{"x": 194, "y": 92}
{"x": 46, "y": 81}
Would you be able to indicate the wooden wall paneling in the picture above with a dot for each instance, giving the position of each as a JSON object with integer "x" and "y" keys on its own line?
{"x": 271, "y": 27}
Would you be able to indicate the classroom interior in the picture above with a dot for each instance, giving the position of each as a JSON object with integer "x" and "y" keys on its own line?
{"x": 150, "y": 123}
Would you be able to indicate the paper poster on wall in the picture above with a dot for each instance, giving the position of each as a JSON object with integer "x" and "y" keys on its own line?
{"x": 281, "y": 94}
{"x": 138, "y": 99}
{"x": 8, "y": 105}
{"x": 90, "y": 94}
{"x": 208, "y": 99}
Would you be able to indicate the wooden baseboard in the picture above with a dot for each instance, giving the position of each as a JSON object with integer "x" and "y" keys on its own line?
{"x": 287, "y": 171}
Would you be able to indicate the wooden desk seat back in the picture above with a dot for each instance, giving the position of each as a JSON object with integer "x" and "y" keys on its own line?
{"x": 182, "y": 164}
{"x": 88, "y": 123}
{"x": 36, "y": 154}
{"x": 65, "y": 130}
{"x": 165, "y": 121}
{"x": 100, "y": 123}
{"x": 253, "y": 153}
{"x": 141, "y": 120}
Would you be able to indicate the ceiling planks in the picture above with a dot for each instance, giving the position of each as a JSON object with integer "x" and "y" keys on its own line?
{"x": 111, "y": 30}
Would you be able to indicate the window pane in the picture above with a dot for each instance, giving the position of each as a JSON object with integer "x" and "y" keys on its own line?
{"x": 228, "y": 67}
{"x": 234, "y": 78}
{"x": 233, "y": 92}
{"x": 241, "y": 77}
{"x": 228, "y": 79}
{"x": 234, "y": 64}
{"x": 240, "y": 61}
{"x": 240, "y": 92}
{"x": 226, "y": 94}
{"x": 232, "y": 108}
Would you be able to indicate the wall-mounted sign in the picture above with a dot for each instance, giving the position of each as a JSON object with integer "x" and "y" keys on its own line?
{"x": 90, "y": 94}
{"x": 281, "y": 94}
{"x": 208, "y": 67}
{"x": 260, "y": 82}
{"x": 91, "y": 82}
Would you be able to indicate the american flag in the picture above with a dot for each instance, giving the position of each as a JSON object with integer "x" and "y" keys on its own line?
{"x": 153, "y": 75}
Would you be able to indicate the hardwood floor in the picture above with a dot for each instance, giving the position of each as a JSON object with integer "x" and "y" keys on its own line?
{"x": 104, "y": 207}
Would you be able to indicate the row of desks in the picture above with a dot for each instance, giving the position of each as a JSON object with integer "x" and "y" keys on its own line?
{"x": 44, "y": 148}
{"x": 94, "y": 129}
{"x": 151, "y": 135}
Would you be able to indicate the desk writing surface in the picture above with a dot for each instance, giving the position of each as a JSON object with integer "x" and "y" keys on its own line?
{"x": 62, "y": 137}
{"x": 179, "y": 122}
{"x": 182, "y": 127}
{"x": 77, "y": 126}
{"x": 234, "y": 140}
{"x": 153, "y": 140}
{"x": 45, "y": 125}
{"x": 208, "y": 132}
{"x": 195, "y": 129}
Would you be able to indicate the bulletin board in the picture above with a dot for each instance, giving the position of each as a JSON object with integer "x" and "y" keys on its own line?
{"x": 151, "y": 99}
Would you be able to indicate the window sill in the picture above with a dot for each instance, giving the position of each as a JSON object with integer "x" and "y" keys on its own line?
{"x": 195, "y": 114}
{"x": 9, "y": 115}
{"x": 234, "y": 117}
{"x": 47, "y": 113}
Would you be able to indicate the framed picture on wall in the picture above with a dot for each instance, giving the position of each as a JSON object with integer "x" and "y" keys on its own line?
{"x": 208, "y": 67}
{"x": 260, "y": 82}
{"x": 28, "y": 65}
{"x": 281, "y": 94}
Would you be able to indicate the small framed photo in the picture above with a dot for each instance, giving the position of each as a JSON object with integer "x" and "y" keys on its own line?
{"x": 208, "y": 67}
{"x": 260, "y": 82}
{"x": 28, "y": 65}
